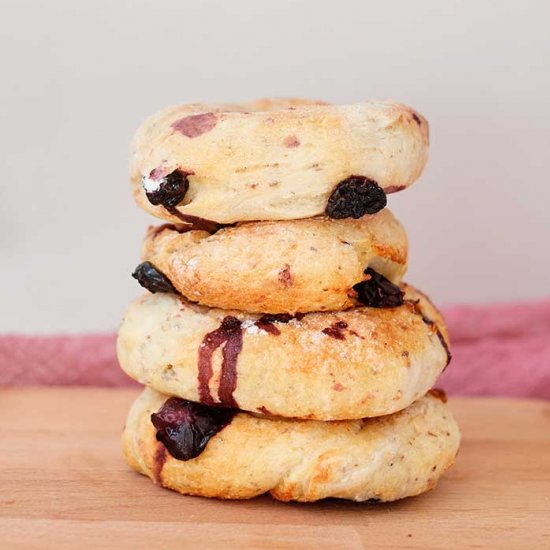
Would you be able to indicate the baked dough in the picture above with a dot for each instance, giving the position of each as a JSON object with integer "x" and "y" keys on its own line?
{"x": 357, "y": 363}
{"x": 274, "y": 160}
{"x": 380, "y": 459}
{"x": 279, "y": 267}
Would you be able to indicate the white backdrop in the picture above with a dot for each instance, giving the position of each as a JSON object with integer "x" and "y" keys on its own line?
{"x": 78, "y": 77}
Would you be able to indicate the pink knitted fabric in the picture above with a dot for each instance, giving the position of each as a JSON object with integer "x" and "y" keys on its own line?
{"x": 497, "y": 350}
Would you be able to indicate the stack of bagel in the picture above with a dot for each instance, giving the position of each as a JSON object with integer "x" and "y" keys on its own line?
{"x": 280, "y": 349}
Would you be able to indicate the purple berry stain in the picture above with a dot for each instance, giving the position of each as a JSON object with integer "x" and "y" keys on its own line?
{"x": 229, "y": 335}
{"x": 336, "y": 330}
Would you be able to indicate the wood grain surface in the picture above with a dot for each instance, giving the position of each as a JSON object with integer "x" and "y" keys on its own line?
{"x": 63, "y": 484}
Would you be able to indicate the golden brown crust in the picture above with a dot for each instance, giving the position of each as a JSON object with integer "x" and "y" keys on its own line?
{"x": 279, "y": 267}
{"x": 276, "y": 160}
{"x": 326, "y": 366}
{"x": 385, "y": 458}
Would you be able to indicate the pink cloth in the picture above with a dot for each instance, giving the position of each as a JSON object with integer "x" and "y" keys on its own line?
{"x": 500, "y": 349}
{"x": 497, "y": 350}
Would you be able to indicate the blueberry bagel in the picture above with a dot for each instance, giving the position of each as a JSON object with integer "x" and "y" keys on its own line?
{"x": 316, "y": 264}
{"x": 362, "y": 362}
{"x": 235, "y": 455}
{"x": 275, "y": 160}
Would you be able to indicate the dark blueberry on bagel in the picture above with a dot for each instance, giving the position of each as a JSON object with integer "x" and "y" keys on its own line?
{"x": 377, "y": 291}
{"x": 165, "y": 189}
{"x": 354, "y": 197}
{"x": 149, "y": 277}
{"x": 185, "y": 427}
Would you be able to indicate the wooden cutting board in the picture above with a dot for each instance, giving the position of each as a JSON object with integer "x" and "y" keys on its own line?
{"x": 63, "y": 484}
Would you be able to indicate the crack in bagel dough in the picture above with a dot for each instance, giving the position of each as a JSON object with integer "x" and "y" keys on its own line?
{"x": 280, "y": 267}
{"x": 356, "y": 363}
{"x": 377, "y": 459}
{"x": 277, "y": 160}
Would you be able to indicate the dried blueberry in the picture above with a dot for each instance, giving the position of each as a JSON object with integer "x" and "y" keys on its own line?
{"x": 378, "y": 291}
{"x": 185, "y": 427}
{"x": 149, "y": 277}
{"x": 166, "y": 190}
{"x": 354, "y": 197}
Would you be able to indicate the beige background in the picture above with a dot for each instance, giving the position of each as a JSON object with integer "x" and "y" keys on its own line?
{"x": 78, "y": 77}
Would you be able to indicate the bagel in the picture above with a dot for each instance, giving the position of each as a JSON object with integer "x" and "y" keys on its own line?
{"x": 380, "y": 459}
{"x": 275, "y": 160}
{"x": 279, "y": 267}
{"x": 356, "y": 363}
